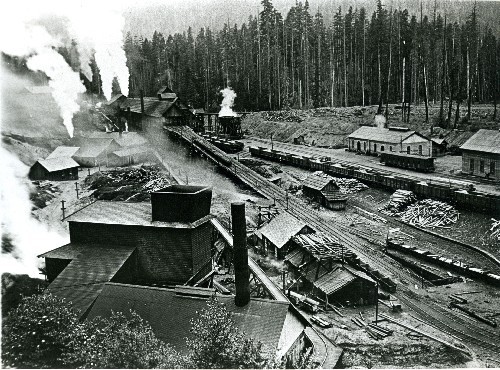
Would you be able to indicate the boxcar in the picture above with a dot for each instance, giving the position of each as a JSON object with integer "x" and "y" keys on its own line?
{"x": 411, "y": 162}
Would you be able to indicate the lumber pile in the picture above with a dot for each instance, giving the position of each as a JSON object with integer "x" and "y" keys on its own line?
{"x": 349, "y": 186}
{"x": 374, "y": 331}
{"x": 430, "y": 213}
{"x": 398, "y": 202}
{"x": 495, "y": 229}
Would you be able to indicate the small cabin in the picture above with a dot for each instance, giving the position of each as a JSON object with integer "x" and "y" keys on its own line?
{"x": 325, "y": 191}
{"x": 54, "y": 169}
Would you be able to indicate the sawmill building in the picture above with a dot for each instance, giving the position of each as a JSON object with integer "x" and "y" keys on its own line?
{"x": 137, "y": 256}
{"x": 54, "y": 169}
{"x": 376, "y": 140}
{"x": 94, "y": 152}
{"x": 481, "y": 154}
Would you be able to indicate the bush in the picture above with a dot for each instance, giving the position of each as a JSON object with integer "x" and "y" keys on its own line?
{"x": 37, "y": 332}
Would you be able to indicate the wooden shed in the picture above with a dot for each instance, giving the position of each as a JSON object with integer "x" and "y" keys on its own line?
{"x": 481, "y": 155}
{"x": 276, "y": 235}
{"x": 94, "y": 152}
{"x": 324, "y": 191}
{"x": 54, "y": 169}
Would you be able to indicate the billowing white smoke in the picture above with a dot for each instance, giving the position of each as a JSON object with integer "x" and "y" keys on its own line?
{"x": 105, "y": 37}
{"x": 380, "y": 121}
{"x": 95, "y": 27}
{"x": 227, "y": 102}
{"x": 64, "y": 81}
{"x": 29, "y": 237}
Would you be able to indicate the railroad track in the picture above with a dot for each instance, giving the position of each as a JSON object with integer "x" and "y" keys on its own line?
{"x": 457, "y": 180}
{"x": 471, "y": 333}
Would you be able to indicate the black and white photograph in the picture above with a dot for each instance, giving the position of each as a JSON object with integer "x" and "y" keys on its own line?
{"x": 201, "y": 184}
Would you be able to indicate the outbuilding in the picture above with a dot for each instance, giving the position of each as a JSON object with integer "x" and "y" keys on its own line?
{"x": 324, "y": 191}
{"x": 276, "y": 235}
{"x": 63, "y": 151}
{"x": 94, "y": 152}
{"x": 481, "y": 154}
{"x": 376, "y": 140}
{"x": 54, "y": 169}
{"x": 439, "y": 147}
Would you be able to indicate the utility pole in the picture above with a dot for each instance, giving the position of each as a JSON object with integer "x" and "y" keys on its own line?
{"x": 76, "y": 188}
{"x": 63, "y": 209}
{"x": 376, "y": 304}
{"x": 272, "y": 143}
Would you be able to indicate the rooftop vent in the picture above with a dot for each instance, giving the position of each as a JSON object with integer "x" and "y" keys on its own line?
{"x": 399, "y": 128}
{"x": 181, "y": 203}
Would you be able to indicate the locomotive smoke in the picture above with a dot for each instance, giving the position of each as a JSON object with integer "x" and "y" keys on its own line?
{"x": 227, "y": 102}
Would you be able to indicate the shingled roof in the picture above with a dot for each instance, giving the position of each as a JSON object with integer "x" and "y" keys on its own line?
{"x": 282, "y": 228}
{"x": 58, "y": 163}
{"x": 152, "y": 106}
{"x": 93, "y": 147}
{"x": 486, "y": 141}
{"x": 169, "y": 311}
{"x": 317, "y": 182}
{"x": 63, "y": 151}
{"x": 339, "y": 278}
{"x": 380, "y": 134}
{"x": 90, "y": 268}
{"x": 125, "y": 139}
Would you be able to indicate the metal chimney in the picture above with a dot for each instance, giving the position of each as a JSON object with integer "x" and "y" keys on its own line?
{"x": 240, "y": 254}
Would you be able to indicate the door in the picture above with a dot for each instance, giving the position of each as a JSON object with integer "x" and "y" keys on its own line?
{"x": 471, "y": 166}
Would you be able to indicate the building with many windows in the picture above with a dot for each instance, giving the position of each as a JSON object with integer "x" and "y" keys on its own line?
{"x": 481, "y": 154}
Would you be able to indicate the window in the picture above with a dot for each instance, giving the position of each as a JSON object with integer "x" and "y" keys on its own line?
{"x": 420, "y": 149}
{"x": 481, "y": 166}
{"x": 382, "y": 148}
{"x": 471, "y": 165}
{"x": 364, "y": 146}
{"x": 390, "y": 148}
{"x": 375, "y": 147}
{"x": 492, "y": 168}
{"x": 408, "y": 150}
{"x": 359, "y": 146}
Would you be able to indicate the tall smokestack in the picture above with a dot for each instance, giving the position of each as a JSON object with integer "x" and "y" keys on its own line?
{"x": 142, "y": 102}
{"x": 240, "y": 254}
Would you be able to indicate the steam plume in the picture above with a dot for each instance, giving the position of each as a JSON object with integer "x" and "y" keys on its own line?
{"x": 29, "y": 236}
{"x": 227, "y": 102}
{"x": 64, "y": 81}
{"x": 380, "y": 121}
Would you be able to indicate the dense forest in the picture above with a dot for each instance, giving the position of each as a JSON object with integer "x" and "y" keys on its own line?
{"x": 275, "y": 61}
{"x": 297, "y": 60}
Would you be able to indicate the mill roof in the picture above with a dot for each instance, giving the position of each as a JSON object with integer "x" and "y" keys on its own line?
{"x": 282, "y": 228}
{"x": 90, "y": 268}
{"x": 63, "y": 151}
{"x": 164, "y": 89}
{"x": 93, "y": 147}
{"x": 169, "y": 311}
{"x": 126, "y": 213}
{"x": 130, "y": 151}
{"x": 152, "y": 106}
{"x": 58, "y": 164}
{"x": 380, "y": 134}
{"x": 114, "y": 99}
{"x": 439, "y": 141}
{"x": 317, "y": 182}
{"x": 339, "y": 278}
{"x": 125, "y": 139}
{"x": 320, "y": 246}
{"x": 168, "y": 96}
{"x": 486, "y": 141}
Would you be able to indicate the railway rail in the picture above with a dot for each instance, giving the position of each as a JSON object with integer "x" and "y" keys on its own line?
{"x": 470, "y": 332}
{"x": 308, "y": 151}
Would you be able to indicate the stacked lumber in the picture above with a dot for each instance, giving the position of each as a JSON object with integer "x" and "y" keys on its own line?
{"x": 430, "y": 213}
{"x": 495, "y": 229}
{"x": 398, "y": 202}
{"x": 349, "y": 186}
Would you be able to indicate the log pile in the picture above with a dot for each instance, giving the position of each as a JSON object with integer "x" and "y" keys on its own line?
{"x": 495, "y": 229}
{"x": 349, "y": 186}
{"x": 430, "y": 213}
{"x": 398, "y": 202}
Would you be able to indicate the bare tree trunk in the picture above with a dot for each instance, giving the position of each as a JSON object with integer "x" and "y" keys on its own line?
{"x": 403, "y": 112}
{"x": 389, "y": 71}
{"x": 345, "y": 71}
{"x": 363, "y": 62}
{"x": 426, "y": 92}
{"x": 443, "y": 74}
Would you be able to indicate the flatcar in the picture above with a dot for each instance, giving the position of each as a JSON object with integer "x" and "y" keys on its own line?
{"x": 411, "y": 162}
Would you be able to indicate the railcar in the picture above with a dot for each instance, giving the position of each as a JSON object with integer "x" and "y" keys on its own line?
{"x": 411, "y": 162}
